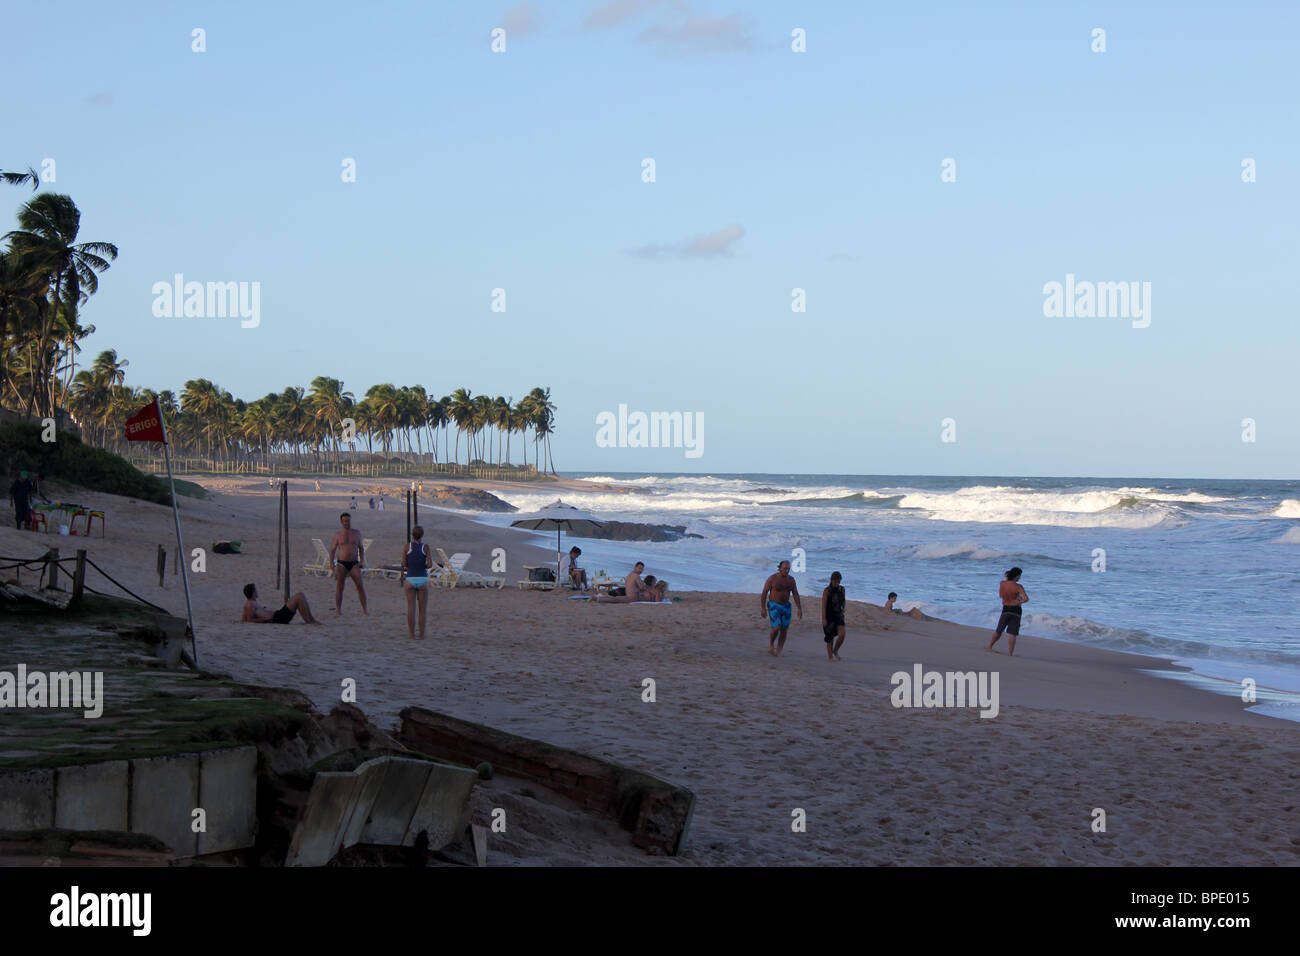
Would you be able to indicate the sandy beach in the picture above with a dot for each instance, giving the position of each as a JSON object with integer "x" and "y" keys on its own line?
{"x": 1185, "y": 777}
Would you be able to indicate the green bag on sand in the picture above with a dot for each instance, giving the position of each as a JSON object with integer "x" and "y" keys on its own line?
{"x": 226, "y": 547}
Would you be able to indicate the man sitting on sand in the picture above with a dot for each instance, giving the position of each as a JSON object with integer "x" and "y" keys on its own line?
{"x": 576, "y": 574}
{"x": 633, "y": 584}
{"x": 1012, "y": 596}
{"x": 777, "y": 591}
{"x": 351, "y": 556}
{"x": 633, "y": 590}
{"x": 910, "y": 612}
{"x": 255, "y": 613}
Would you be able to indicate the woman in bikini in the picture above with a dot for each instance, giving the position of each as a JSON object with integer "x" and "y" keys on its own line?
{"x": 415, "y": 579}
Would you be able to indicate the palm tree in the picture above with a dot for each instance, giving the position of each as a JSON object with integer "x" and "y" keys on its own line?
{"x": 435, "y": 415}
{"x": 386, "y": 407}
{"x": 543, "y": 418}
{"x": 505, "y": 412}
{"x": 257, "y": 424}
{"x": 329, "y": 405}
{"x": 48, "y": 227}
{"x": 17, "y": 179}
{"x": 291, "y": 417}
{"x": 524, "y": 416}
{"x": 462, "y": 414}
{"x": 482, "y": 419}
{"x": 201, "y": 400}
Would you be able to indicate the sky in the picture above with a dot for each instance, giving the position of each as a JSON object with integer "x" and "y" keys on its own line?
{"x": 774, "y": 170}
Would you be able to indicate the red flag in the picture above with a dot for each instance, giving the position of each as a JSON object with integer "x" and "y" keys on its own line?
{"x": 146, "y": 424}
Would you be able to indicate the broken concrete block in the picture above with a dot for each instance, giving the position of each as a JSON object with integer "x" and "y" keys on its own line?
{"x": 26, "y": 799}
{"x": 228, "y": 796}
{"x": 92, "y": 796}
{"x": 442, "y": 804}
{"x": 319, "y": 834}
{"x": 164, "y": 795}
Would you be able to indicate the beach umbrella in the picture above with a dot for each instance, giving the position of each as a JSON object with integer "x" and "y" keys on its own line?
{"x": 560, "y": 517}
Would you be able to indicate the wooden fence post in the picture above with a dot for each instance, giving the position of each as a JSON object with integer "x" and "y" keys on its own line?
{"x": 79, "y": 575}
{"x": 161, "y": 563}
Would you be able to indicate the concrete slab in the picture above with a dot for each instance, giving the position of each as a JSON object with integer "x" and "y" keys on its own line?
{"x": 396, "y": 802}
{"x": 164, "y": 795}
{"x": 92, "y": 796}
{"x": 26, "y": 799}
{"x": 372, "y": 774}
{"x": 228, "y": 795}
{"x": 319, "y": 834}
{"x": 443, "y": 806}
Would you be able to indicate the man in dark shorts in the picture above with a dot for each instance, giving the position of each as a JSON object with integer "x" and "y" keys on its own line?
{"x": 833, "y": 621}
{"x": 1012, "y": 596}
{"x": 255, "y": 613}
{"x": 777, "y": 591}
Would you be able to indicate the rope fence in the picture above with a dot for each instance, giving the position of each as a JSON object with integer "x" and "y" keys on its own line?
{"x": 50, "y": 561}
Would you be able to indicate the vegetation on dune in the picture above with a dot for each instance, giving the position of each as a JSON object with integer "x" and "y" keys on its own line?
{"x": 70, "y": 459}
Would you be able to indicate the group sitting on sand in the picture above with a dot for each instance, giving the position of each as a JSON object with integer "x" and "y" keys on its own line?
{"x": 636, "y": 590}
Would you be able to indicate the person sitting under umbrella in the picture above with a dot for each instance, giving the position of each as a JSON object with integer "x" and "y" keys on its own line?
{"x": 576, "y": 574}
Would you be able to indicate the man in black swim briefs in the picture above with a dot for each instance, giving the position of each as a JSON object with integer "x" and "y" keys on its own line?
{"x": 351, "y": 558}
{"x": 255, "y": 613}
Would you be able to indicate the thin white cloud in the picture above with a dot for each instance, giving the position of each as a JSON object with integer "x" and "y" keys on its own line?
{"x": 701, "y": 33}
{"x": 616, "y": 13}
{"x": 521, "y": 19}
{"x": 710, "y": 246}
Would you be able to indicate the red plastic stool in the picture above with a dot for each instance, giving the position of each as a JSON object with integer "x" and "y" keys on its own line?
{"x": 90, "y": 517}
{"x": 35, "y": 516}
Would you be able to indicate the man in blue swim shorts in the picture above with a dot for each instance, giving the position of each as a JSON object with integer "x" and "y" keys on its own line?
{"x": 777, "y": 592}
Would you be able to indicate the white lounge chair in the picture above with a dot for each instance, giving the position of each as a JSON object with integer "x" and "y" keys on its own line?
{"x": 321, "y": 568}
{"x": 390, "y": 574}
{"x": 468, "y": 578}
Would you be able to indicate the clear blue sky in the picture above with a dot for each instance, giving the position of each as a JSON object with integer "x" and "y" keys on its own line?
{"x": 522, "y": 170}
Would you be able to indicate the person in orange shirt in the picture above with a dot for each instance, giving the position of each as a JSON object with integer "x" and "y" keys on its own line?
{"x": 1012, "y": 596}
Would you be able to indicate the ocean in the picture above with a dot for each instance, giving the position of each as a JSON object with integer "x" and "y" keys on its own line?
{"x": 1206, "y": 572}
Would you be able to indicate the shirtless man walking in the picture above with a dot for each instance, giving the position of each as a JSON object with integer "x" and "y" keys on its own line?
{"x": 777, "y": 591}
{"x": 351, "y": 556}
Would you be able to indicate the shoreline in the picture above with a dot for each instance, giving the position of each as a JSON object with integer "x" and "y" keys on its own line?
{"x": 1170, "y": 668}
{"x": 750, "y": 735}
{"x": 1284, "y": 700}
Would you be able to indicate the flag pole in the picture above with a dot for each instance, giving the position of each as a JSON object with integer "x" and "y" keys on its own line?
{"x": 176, "y": 517}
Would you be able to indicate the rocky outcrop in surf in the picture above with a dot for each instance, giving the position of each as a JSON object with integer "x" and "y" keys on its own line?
{"x": 635, "y": 531}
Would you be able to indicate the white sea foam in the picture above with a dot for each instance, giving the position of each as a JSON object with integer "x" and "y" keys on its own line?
{"x": 1290, "y": 536}
{"x": 1289, "y": 508}
{"x": 970, "y": 549}
{"x": 1112, "y": 508}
